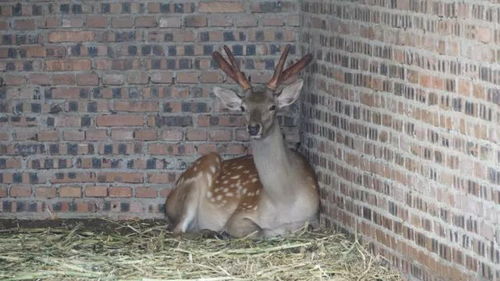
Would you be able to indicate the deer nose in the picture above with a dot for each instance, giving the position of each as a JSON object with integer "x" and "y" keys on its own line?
{"x": 254, "y": 129}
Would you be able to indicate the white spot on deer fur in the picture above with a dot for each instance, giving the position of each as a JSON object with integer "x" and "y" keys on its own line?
{"x": 209, "y": 177}
{"x": 255, "y": 180}
{"x": 240, "y": 167}
{"x": 235, "y": 177}
{"x": 219, "y": 197}
{"x": 246, "y": 171}
{"x": 257, "y": 192}
{"x": 244, "y": 191}
{"x": 195, "y": 168}
{"x": 255, "y": 208}
{"x": 225, "y": 190}
{"x": 229, "y": 194}
{"x": 225, "y": 182}
{"x": 212, "y": 169}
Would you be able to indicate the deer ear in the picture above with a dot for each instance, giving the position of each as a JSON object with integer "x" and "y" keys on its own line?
{"x": 289, "y": 94}
{"x": 229, "y": 98}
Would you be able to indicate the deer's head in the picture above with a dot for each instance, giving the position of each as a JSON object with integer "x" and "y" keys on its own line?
{"x": 260, "y": 104}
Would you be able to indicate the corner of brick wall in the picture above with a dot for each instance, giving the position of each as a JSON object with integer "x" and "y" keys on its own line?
{"x": 401, "y": 119}
{"x": 104, "y": 103}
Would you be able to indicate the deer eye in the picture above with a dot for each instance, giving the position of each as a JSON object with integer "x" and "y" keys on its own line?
{"x": 242, "y": 109}
{"x": 273, "y": 107}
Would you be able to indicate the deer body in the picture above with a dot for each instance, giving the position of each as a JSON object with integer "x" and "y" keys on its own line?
{"x": 271, "y": 193}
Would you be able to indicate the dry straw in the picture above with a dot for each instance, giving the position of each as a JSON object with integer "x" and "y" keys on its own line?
{"x": 146, "y": 251}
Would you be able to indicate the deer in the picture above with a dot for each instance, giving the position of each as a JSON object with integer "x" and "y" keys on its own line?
{"x": 272, "y": 192}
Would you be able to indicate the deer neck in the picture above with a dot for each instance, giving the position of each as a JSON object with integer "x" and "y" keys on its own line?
{"x": 271, "y": 157}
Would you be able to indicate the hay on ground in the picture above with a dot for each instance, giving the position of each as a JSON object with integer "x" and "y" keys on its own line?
{"x": 146, "y": 251}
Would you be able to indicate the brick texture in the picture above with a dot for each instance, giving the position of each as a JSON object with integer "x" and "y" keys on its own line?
{"x": 104, "y": 103}
{"x": 401, "y": 119}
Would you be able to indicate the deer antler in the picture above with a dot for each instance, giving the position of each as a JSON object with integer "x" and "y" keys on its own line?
{"x": 232, "y": 68}
{"x": 280, "y": 76}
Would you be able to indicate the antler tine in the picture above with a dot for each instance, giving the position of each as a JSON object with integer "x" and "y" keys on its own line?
{"x": 295, "y": 68}
{"x": 224, "y": 65}
{"x": 274, "y": 82}
{"x": 231, "y": 69}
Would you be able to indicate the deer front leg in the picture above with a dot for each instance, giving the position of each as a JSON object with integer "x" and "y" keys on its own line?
{"x": 240, "y": 225}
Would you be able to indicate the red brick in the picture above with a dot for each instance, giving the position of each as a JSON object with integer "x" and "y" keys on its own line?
{"x": 73, "y": 22}
{"x": 48, "y": 135}
{"x": 120, "y": 192}
{"x": 162, "y": 77}
{"x": 113, "y": 79}
{"x": 145, "y": 134}
{"x": 71, "y": 36}
{"x": 3, "y": 192}
{"x": 162, "y": 178}
{"x": 119, "y": 120}
{"x": 137, "y": 77}
{"x": 36, "y": 51}
{"x": 96, "y": 135}
{"x": 122, "y": 22}
{"x": 68, "y": 65}
{"x": 220, "y": 135}
{"x": 196, "y": 135}
{"x": 46, "y": 192}
{"x": 20, "y": 191}
{"x": 211, "y": 77}
{"x": 170, "y": 22}
{"x": 121, "y": 177}
{"x": 145, "y": 21}
{"x": 195, "y": 21}
{"x": 97, "y": 21}
{"x": 87, "y": 79}
{"x": 63, "y": 79}
{"x": 70, "y": 191}
{"x": 96, "y": 191}
{"x": 14, "y": 80}
{"x": 13, "y": 163}
{"x": 24, "y": 24}
{"x": 73, "y": 135}
{"x": 146, "y": 192}
{"x": 40, "y": 79}
{"x": 187, "y": 77}
{"x": 136, "y": 106}
{"x": 122, "y": 134}
{"x": 221, "y": 7}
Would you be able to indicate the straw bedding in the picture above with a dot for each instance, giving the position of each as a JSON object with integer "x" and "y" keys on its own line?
{"x": 144, "y": 250}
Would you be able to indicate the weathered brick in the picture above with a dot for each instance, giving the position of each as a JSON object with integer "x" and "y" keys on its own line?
{"x": 120, "y": 192}
{"x": 146, "y": 192}
{"x": 119, "y": 120}
{"x": 68, "y": 65}
{"x": 20, "y": 191}
{"x": 145, "y": 21}
{"x": 136, "y": 106}
{"x": 195, "y": 21}
{"x": 87, "y": 79}
{"x": 96, "y": 191}
{"x": 71, "y": 36}
{"x": 221, "y": 7}
{"x": 70, "y": 191}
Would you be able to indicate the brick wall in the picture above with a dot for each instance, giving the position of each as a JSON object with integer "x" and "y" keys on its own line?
{"x": 103, "y": 104}
{"x": 401, "y": 117}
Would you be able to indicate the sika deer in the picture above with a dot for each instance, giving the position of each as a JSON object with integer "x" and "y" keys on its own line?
{"x": 272, "y": 193}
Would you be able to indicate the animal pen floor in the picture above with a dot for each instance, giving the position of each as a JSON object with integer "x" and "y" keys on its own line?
{"x": 144, "y": 250}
